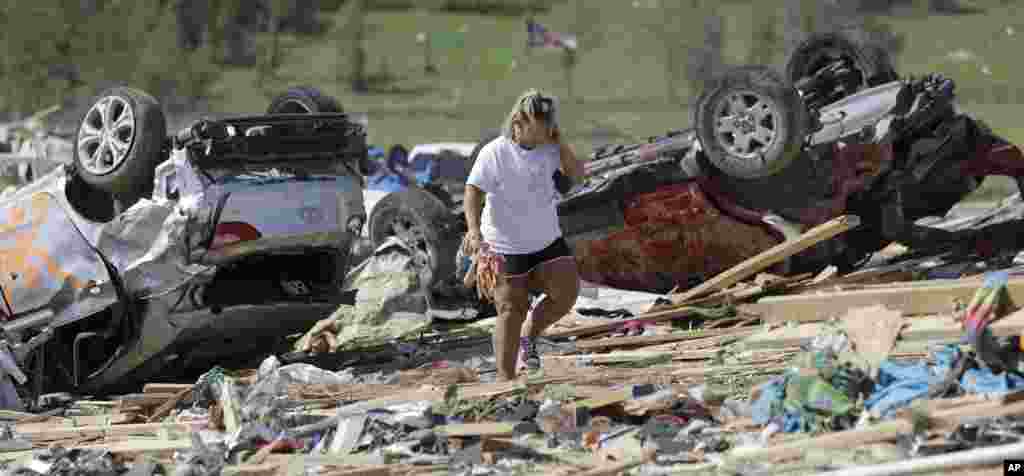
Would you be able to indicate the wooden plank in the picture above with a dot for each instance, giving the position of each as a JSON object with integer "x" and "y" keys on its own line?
{"x": 639, "y": 341}
{"x": 129, "y": 447}
{"x": 921, "y": 329}
{"x": 145, "y": 399}
{"x": 609, "y": 358}
{"x": 165, "y": 387}
{"x": 877, "y": 433}
{"x": 165, "y": 409}
{"x": 732, "y": 294}
{"x": 476, "y": 429}
{"x": 647, "y": 456}
{"x": 436, "y": 394}
{"x": 608, "y": 397}
{"x": 651, "y": 317}
{"x": 657, "y": 316}
{"x": 53, "y": 432}
{"x": 771, "y": 256}
{"x": 913, "y": 299}
{"x": 96, "y": 403}
{"x": 867, "y": 276}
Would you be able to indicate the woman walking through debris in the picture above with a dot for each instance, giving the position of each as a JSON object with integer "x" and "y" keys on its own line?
{"x": 516, "y": 237}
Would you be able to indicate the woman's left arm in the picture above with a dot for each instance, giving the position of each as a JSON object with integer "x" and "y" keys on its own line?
{"x": 570, "y": 165}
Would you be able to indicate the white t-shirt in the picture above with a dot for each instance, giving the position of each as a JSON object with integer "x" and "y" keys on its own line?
{"x": 521, "y": 214}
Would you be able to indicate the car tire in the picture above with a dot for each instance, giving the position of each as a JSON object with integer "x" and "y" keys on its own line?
{"x": 874, "y": 63}
{"x": 772, "y": 117}
{"x": 119, "y": 143}
{"x": 426, "y": 225}
{"x": 304, "y": 100}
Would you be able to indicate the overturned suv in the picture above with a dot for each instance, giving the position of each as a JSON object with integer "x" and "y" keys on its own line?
{"x": 770, "y": 155}
{"x": 112, "y": 263}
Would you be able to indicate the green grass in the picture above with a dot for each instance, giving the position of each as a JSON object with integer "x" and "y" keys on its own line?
{"x": 620, "y": 84}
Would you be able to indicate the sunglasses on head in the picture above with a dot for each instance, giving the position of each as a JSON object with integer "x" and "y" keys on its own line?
{"x": 543, "y": 106}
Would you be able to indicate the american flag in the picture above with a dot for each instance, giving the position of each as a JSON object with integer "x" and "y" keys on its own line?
{"x": 538, "y": 36}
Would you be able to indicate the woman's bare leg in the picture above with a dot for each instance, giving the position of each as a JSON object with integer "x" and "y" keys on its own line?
{"x": 560, "y": 284}
{"x": 511, "y": 300}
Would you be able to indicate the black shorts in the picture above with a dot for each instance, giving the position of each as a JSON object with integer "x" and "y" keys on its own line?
{"x": 521, "y": 265}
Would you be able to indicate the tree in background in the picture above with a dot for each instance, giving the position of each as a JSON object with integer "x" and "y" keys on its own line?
{"x": 805, "y": 17}
{"x": 301, "y": 17}
{"x": 278, "y": 14}
{"x": 35, "y": 39}
{"x": 231, "y": 29}
{"x": 192, "y": 17}
{"x": 764, "y": 33}
{"x": 590, "y": 33}
{"x": 350, "y": 34}
{"x": 178, "y": 78}
{"x": 690, "y": 32}
{"x": 705, "y": 57}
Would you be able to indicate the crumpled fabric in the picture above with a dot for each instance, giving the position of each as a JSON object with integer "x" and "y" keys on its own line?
{"x": 899, "y": 384}
{"x": 391, "y": 303}
{"x": 797, "y": 402}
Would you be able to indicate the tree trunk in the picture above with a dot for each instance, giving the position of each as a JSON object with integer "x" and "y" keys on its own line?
{"x": 359, "y": 83}
{"x": 275, "y": 44}
{"x": 302, "y": 17}
{"x": 670, "y": 72}
{"x": 192, "y": 16}
{"x": 569, "y": 66}
{"x": 215, "y": 30}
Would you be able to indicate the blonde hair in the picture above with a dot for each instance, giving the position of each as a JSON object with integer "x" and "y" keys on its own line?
{"x": 532, "y": 104}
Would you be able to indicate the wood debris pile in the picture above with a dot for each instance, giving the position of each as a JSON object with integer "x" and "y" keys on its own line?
{"x": 688, "y": 385}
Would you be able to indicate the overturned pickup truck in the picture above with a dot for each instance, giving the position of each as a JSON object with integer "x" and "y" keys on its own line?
{"x": 245, "y": 221}
{"x": 770, "y": 156}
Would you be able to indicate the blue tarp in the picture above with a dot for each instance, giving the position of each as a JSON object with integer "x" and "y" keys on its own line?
{"x": 899, "y": 384}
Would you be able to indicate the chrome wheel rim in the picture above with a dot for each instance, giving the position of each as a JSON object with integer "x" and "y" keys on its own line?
{"x": 106, "y": 135}
{"x": 746, "y": 124}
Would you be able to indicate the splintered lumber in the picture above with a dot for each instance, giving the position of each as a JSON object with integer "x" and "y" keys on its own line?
{"x": 56, "y": 432}
{"x": 165, "y": 387}
{"x": 127, "y": 448}
{"x": 164, "y": 409}
{"x": 653, "y": 317}
{"x": 922, "y": 329}
{"x": 476, "y": 429}
{"x": 771, "y": 256}
{"x": 436, "y": 394}
{"x": 638, "y": 341}
{"x": 732, "y": 294}
{"x": 145, "y": 399}
{"x": 649, "y": 317}
{"x": 610, "y": 358}
{"x": 612, "y": 470}
{"x": 880, "y": 432}
{"x": 912, "y": 298}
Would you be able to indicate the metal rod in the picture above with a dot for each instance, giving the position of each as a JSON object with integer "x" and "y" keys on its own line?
{"x": 981, "y": 456}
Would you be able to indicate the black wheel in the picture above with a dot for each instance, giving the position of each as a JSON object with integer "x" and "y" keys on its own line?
{"x": 304, "y": 100}
{"x": 872, "y": 62}
{"x": 750, "y": 122}
{"x": 424, "y": 223}
{"x": 119, "y": 143}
